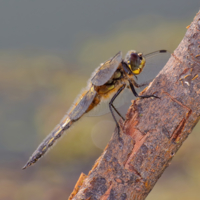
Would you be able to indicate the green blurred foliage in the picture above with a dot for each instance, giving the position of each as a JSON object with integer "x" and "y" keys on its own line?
{"x": 37, "y": 88}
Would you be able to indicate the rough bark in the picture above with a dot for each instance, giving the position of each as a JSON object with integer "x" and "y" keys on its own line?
{"x": 153, "y": 131}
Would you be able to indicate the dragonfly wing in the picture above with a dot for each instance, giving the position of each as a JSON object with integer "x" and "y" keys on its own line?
{"x": 82, "y": 104}
{"x": 47, "y": 143}
{"x": 103, "y": 107}
{"x": 77, "y": 110}
{"x": 153, "y": 66}
{"x": 106, "y": 70}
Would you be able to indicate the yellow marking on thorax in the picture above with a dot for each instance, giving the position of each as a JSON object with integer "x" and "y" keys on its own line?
{"x": 117, "y": 75}
{"x": 104, "y": 92}
{"x": 110, "y": 91}
{"x": 105, "y": 88}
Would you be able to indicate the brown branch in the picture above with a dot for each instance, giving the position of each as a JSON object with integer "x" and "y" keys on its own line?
{"x": 153, "y": 131}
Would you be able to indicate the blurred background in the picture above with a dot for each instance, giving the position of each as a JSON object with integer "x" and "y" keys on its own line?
{"x": 48, "y": 50}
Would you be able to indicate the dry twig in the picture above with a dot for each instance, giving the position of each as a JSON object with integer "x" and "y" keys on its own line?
{"x": 153, "y": 131}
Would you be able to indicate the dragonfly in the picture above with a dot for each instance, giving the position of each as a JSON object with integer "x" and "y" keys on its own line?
{"x": 106, "y": 83}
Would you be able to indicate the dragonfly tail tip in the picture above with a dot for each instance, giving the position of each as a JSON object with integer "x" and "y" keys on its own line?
{"x": 26, "y": 165}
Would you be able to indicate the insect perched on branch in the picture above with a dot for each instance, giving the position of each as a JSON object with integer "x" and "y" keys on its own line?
{"x": 106, "y": 83}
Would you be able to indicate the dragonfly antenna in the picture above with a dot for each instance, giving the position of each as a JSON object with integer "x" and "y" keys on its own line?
{"x": 155, "y": 52}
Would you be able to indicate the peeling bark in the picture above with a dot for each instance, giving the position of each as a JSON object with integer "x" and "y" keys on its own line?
{"x": 153, "y": 131}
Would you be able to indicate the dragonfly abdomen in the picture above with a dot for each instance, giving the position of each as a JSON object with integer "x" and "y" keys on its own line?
{"x": 48, "y": 142}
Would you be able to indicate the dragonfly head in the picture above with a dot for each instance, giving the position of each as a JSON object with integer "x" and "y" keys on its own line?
{"x": 135, "y": 61}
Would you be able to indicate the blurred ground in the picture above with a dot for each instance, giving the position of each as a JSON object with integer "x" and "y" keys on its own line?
{"x": 48, "y": 51}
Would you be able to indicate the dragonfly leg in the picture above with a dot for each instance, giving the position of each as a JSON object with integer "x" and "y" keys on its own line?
{"x": 141, "y": 96}
{"x": 112, "y": 106}
{"x": 141, "y": 84}
{"x": 118, "y": 112}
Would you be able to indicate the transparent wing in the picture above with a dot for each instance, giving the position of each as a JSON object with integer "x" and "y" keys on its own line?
{"x": 153, "y": 66}
{"x": 82, "y": 104}
{"x": 106, "y": 70}
{"x": 76, "y": 111}
{"x": 103, "y": 108}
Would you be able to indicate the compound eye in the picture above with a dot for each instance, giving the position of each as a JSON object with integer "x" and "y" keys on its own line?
{"x": 140, "y": 56}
